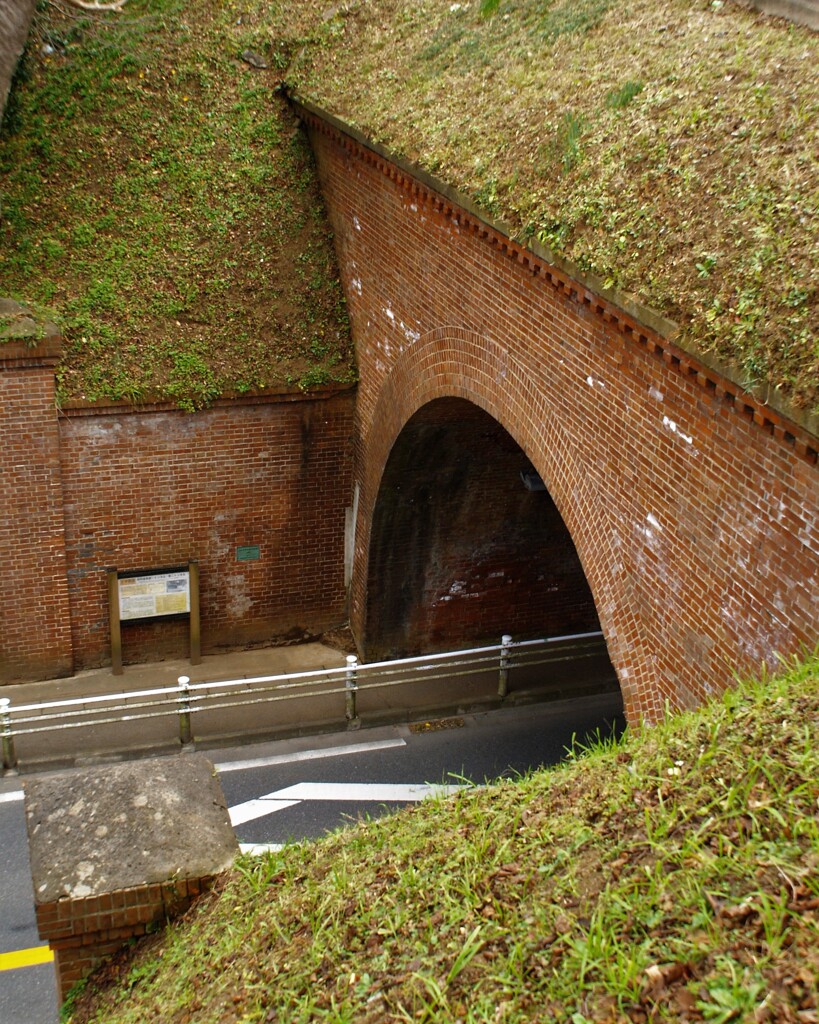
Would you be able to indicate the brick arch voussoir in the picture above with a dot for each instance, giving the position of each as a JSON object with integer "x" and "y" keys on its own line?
{"x": 451, "y": 362}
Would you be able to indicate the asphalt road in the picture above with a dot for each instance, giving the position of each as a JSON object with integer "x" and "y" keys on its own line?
{"x": 297, "y": 789}
{"x": 28, "y": 995}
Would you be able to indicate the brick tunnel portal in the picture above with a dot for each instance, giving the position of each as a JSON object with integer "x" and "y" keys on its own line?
{"x": 467, "y": 544}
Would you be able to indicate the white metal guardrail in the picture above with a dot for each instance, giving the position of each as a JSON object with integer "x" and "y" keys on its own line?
{"x": 351, "y": 682}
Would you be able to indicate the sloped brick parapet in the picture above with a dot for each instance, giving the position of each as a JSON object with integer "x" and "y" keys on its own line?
{"x": 120, "y": 849}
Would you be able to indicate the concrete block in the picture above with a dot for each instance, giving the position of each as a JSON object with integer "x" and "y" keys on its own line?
{"x": 116, "y": 849}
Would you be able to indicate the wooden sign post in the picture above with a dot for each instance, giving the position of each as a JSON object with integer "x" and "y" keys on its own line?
{"x": 153, "y": 594}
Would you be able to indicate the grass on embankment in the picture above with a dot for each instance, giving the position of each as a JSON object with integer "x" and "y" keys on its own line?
{"x": 158, "y": 197}
{"x": 666, "y": 146}
{"x": 672, "y": 876}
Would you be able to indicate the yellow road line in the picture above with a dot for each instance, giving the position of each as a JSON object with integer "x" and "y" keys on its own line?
{"x": 25, "y": 958}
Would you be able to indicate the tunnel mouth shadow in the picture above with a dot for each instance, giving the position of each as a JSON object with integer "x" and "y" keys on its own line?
{"x": 467, "y": 544}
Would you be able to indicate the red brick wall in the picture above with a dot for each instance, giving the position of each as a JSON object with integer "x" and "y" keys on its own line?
{"x": 34, "y": 634}
{"x": 150, "y": 489}
{"x": 84, "y": 931}
{"x": 694, "y": 510}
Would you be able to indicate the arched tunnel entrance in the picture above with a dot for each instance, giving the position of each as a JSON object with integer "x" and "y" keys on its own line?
{"x": 466, "y": 543}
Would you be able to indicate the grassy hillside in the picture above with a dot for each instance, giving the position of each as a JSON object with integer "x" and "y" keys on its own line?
{"x": 667, "y": 146}
{"x": 158, "y": 197}
{"x": 156, "y": 194}
{"x": 671, "y": 877}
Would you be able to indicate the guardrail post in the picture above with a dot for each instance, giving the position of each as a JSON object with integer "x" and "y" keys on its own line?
{"x": 352, "y": 688}
{"x": 184, "y": 699}
{"x": 9, "y": 756}
{"x": 503, "y": 675}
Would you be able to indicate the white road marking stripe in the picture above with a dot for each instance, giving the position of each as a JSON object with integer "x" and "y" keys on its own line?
{"x": 253, "y": 809}
{"x": 309, "y": 755}
{"x": 355, "y": 791}
{"x": 7, "y": 798}
{"x": 256, "y": 849}
{"x": 351, "y": 792}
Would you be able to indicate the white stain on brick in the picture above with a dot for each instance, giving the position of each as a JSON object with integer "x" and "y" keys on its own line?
{"x": 656, "y": 394}
{"x": 809, "y": 534}
{"x": 390, "y": 314}
{"x": 239, "y": 602}
{"x": 356, "y": 223}
{"x": 355, "y": 284}
{"x": 671, "y": 426}
{"x": 591, "y": 381}
{"x": 646, "y": 532}
{"x": 458, "y": 588}
{"x": 411, "y": 335}
{"x": 649, "y": 532}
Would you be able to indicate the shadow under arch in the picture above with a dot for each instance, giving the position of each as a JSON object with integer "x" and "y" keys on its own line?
{"x": 466, "y": 542}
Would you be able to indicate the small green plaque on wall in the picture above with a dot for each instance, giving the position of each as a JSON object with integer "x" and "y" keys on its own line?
{"x": 248, "y": 553}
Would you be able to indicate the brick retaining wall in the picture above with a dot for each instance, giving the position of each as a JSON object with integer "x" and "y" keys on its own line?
{"x": 692, "y": 505}
{"x": 131, "y": 488}
{"x": 82, "y": 933}
{"x": 149, "y": 489}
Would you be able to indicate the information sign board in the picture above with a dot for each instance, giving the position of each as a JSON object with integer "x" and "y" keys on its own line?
{"x": 149, "y": 596}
